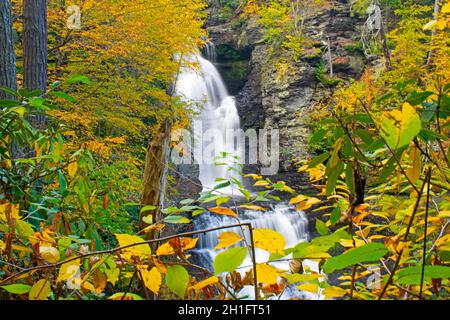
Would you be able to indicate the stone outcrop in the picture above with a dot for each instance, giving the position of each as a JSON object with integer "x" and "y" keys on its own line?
{"x": 267, "y": 102}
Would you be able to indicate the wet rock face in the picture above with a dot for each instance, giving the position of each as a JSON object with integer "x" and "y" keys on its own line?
{"x": 265, "y": 100}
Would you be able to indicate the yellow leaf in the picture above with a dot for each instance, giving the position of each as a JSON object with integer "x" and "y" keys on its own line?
{"x": 157, "y": 227}
{"x": 266, "y": 273}
{"x": 185, "y": 244}
{"x": 298, "y": 199}
{"x": 207, "y": 282}
{"x": 443, "y": 242}
{"x": 415, "y": 167}
{"x": 9, "y": 210}
{"x": 49, "y": 254}
{"x": 261, "y": 183}
{"x": 72, "y": 169}
{"x": 40, "y": 290}
{"x": 252, "y": 207}
{"x": 159, "y": 265}
{"x": 88, "y": 286}
{"x": 399, "y": 127}
{"x": 285, "y": 187}
{"x": 253, "y": 176}
{"x": 68, "y": 270}
{"x": 152, "y": 279}
{"x": 43, "y": 238}
{"x": 227, "y": 239}
{"x": 317, "y": 255}
{"x": 304, "y": 202}
{"x": 269, "y": 240}
{"x": 446, "y": 8}
{"x": 349, "y": 243}
{"x": 139, "y": 250}
{"x": 333, "y": 292}
{"x": 444, "y": 214}
{"x": 148, "y": 219}
{"x": 304, "y": 205}
{"x": 314, "y": 288}
{"x": 223, "y": 211}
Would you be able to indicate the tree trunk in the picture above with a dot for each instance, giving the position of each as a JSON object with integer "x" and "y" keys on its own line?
{"x": 437, "y": 8}
{"x": 384, "y": 44}
{"x": 155, "y": 175}
{"x": 7, "y": 55}
{"x": 35, "y": 51}
{"x": 35, "y": 45}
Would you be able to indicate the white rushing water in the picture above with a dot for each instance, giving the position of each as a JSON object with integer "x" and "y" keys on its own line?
{"x": 218, "y": 113}
{"x": 218, "y": 116}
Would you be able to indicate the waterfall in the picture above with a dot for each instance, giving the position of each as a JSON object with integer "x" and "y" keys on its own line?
{"x": 217, "y": 121}
{"x": 217, "y": 115}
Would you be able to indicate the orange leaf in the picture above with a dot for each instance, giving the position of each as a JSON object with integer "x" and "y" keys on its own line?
{"x": 179, "y": 244}
{"x": 223, "y": 211}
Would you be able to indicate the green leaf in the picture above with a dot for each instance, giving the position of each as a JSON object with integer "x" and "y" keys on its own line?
{"x": 148, "y": 208}
{"x": 296, "y": 277}
{"x": 333, "y": 176}
{"x": 322, "y": 228}
{"x": 366, "y": 253}
{"x": 62, "y": 182}
{"x": 187, "y": 201}
{"x": 9, "y": 103}
{"x": 246, "y": 194}
{"x": 17, "y": 288}
{"x": 365, "y": 136}
{"x": 331, "y": 239}
{"x": 222, "y": 185}
{"x": 361, "y": 117}
{"x": 197, "y": 212}
{"x": 79, "y": 79}
{"x": 229, "y": 260}
{"x": 177, "y": 279}
{"x": 24, "y": 229}
{"x": 412, "y": 275}
{"x": 318, "y": 160}
{"x": 417, "y": 98}
{"x": 305, "y": 249}
{"x": 222, "y": 200}
{"x": 125, "y": 296}
{"x": 399, "y": 128}
{"x": 335, "y": 215}
{"x": 176, "y": 219}
{"x": 9, "y": 91}
{"x": 64, "y": 96}
{"x": 318, "y": 136}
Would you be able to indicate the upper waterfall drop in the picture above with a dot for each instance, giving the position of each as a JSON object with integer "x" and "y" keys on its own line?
{"x": 216, "y": 121}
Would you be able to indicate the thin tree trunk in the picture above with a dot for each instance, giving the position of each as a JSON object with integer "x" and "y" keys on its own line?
{"x": 7, "y": 55}
{"x": 155, "y": 175}
{"x": 35, "y": 44}
{"x": 384, "y": 44}
{"x": 437, "y": 8}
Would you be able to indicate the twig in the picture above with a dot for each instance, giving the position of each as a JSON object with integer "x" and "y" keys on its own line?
{"x": 129, "y": 284}
{"x": 405, "y": 238}
{"x": 424, "y": 253}
{"x": 253, "y": 260}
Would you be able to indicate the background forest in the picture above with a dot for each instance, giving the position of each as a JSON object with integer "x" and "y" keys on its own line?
{"x": 92, "y": 208}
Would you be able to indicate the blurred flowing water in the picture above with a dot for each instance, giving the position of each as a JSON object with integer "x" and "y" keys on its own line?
{"x": 217, "y": 113}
